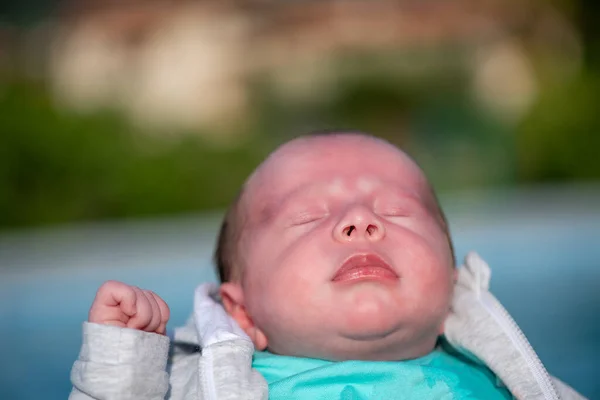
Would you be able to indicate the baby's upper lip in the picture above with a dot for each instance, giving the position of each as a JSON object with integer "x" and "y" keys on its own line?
{"x": 363, "y": 260}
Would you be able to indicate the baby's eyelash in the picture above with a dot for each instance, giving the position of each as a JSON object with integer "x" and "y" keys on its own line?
{"x": 305, "y": 218}
{"x": 395, "y": 212}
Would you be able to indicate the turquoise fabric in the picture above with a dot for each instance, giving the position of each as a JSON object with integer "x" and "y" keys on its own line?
{"x": 438, "y": 375}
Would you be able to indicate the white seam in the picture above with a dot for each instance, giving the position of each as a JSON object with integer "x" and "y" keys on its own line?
{"x": 209, "y": 382}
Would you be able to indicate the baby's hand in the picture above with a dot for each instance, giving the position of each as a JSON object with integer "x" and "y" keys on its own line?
{"x": 119, "y": 304}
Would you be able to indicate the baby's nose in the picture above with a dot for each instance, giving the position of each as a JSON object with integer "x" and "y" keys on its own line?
{"x": 359, "y": 223}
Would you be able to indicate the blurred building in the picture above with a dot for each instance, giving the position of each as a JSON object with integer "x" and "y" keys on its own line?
{"x": 166, "y": 65}
{"x": 182, "y": 65}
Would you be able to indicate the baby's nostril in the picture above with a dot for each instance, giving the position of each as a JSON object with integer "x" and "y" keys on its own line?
{"x": 348, "y": 230}
{"x": 371, "y": 229}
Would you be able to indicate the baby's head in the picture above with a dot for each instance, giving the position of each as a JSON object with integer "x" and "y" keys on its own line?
{"x": 337, "y": 248}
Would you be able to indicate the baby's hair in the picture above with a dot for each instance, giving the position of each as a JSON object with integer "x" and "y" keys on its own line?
{"x": 227, "y": 256}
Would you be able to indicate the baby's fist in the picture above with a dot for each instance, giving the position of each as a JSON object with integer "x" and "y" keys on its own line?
{"x": 119, "y": 304}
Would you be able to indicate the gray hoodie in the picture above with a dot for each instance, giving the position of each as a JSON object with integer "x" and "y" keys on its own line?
{"x": 210, "y": 358}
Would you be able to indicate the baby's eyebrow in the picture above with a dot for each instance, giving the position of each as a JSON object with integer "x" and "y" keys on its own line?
{"x": 266, "y": 212}
{"x": 270, "y": 207}
{"x": 404, "y": 192}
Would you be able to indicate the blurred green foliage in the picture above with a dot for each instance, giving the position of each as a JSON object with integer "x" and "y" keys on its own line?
{"x": 560, "y": 138}
{"x": 57, "y": 167}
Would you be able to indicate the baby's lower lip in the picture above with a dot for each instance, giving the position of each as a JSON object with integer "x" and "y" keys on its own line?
{"x": 376, "y": 273}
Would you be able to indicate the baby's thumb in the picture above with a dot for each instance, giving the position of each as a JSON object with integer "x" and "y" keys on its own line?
{"x": 128, "y": 301}
{"x": 121, "y": 295}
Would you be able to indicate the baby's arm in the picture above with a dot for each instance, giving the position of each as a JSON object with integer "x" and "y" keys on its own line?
{"x": 124, "y": 351}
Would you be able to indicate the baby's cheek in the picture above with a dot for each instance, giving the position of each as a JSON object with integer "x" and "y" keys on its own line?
{"x": 431, "y": 281}
{"x": 438, "y": 277}
{"x": 287, "y": 289}
{"x": 275, "y": 311}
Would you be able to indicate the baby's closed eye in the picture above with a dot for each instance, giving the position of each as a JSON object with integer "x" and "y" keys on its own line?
{"x": 395, "y": 206}
{"x": 394, "y": 211}
{"x": 306, "y": 217}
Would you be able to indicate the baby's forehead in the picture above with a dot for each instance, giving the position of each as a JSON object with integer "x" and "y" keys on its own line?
{"x": 345, "y": 152}
{"x": 349, "y": 162}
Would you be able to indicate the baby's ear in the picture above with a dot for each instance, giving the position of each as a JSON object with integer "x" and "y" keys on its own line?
{"x": 232, "y": 296}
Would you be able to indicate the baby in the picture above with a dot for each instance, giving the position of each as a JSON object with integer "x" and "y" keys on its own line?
{"x": 337, "y": 266}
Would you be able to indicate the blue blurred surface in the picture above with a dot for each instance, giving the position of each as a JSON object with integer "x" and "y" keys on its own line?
{"x": 543, "y": 247}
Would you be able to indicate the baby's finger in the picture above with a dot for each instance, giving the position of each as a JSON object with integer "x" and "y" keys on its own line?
{"x": 113, "y": 294}
{"x": 165, "y": 313}
{"x": 109, "y": 316}
{"x": 126, "y": 298}
{"x": 143, "y": 316}
{"x": 155, "y": 320}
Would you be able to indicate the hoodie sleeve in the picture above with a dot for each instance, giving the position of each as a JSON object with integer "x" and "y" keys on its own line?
{"x": 120, "y": 364}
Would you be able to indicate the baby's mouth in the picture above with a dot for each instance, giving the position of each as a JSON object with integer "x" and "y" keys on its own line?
{"x": 363, "y": 267}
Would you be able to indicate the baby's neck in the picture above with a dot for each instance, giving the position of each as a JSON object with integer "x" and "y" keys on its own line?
{"x": 382, "y": 350}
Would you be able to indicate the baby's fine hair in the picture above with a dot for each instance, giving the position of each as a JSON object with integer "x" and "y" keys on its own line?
{"x": 226, "y": 255}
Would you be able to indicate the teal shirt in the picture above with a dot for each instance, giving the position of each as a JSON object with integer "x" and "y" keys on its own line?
{"x": 438, "y": 375}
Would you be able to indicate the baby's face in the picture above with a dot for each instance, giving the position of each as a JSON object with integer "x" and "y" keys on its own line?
{"x": 344, "y": 251}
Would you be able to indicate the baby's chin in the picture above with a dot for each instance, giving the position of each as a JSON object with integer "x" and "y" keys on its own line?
{"x": 357, "y": 336}
{"x": 378, "y": 331}
{"x": 368, "y": 326}
{"x": 368, "y": 313}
